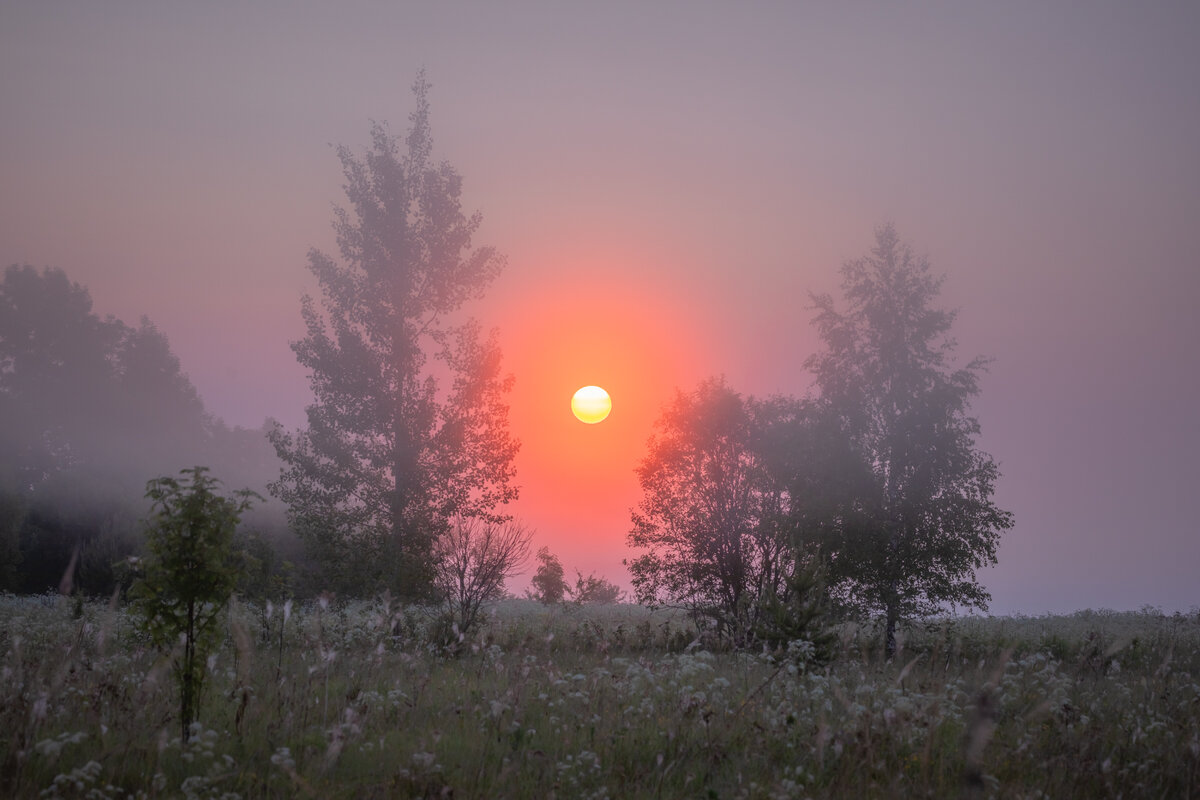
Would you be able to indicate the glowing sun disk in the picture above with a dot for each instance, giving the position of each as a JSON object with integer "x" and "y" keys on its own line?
{"x": 591, "y": 404}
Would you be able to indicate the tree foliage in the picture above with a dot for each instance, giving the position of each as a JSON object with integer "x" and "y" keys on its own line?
{"x": 12, "y": 518}
{"x": 397, "y": 444}
{"x": 188, "y": 574}
{"x": 83, "y": 392}
{"x": 713, "y": 519}
{"x": 88, "y": 407}
{"x": 548, "y": 585}
{"x": 594, "y": 589}
{"x": 921, "y": 518}
{"x": 796, "y": 620}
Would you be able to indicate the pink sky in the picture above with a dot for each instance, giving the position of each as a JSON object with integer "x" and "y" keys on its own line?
{"x": 668, "y": 181}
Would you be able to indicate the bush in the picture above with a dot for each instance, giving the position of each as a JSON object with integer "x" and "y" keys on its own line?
{"x": 593, "y": 589}
{"x": 800, "y": 615}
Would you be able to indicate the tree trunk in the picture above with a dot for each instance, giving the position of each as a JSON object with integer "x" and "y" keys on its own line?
{"x": 187, "y": 699}
{"x": 889, "y": 642}
{"x": 404, "y": 463}
{"x": 400, "y": 476}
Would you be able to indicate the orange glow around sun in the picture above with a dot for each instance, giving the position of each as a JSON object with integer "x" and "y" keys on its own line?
{"x": 578, "y": 481}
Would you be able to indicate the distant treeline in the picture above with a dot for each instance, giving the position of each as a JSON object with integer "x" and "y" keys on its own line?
{"x": 90, "y": 409}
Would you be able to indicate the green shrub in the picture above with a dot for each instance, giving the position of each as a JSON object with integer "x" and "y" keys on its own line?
{"x": 188, "y": 574}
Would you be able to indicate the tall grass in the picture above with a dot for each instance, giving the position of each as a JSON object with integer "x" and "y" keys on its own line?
{"x": 360, "y": 701}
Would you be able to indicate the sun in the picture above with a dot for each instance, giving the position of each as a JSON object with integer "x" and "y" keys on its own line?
{"x": 591, "y": 404}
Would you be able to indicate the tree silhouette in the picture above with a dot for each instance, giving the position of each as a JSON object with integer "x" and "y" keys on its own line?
{"x": 473, "y": 560}
{"x": 548, "y": 585}
{"x": 79, "y": 391}
{"x": 595, "y": 589}
{"x": 57, "y": 373}
{"x": 922, "y": 519}
{"x": 88, "y": 408}
{"x": 397, "y": 444}
{"x": 713, "y": 519}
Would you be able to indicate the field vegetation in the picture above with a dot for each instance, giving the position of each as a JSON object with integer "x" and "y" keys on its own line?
{"x": 373, "y": 699}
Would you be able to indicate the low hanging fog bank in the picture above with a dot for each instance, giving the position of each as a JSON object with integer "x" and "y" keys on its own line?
{"x": 91, "y": 408}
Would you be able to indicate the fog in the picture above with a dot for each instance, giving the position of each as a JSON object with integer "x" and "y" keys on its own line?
{"x": 668, "y": 184}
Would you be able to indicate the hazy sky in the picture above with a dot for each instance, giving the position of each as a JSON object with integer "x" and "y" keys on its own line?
{"x": 669, "y": 181}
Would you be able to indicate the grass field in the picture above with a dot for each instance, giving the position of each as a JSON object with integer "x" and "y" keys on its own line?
{"x": 597, "y": 702}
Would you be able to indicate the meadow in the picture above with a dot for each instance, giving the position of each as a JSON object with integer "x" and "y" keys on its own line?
{"x": 364, "y": 700}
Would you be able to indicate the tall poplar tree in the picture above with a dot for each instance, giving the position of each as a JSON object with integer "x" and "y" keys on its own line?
{"x": 921, "y": 519}
{"x": 409, "y": 427}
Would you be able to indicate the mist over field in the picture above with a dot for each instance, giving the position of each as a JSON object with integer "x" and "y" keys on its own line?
{"x": 667, "y": 185}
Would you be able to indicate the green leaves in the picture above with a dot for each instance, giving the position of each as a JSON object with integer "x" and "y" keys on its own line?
{"x": 189, "y": 572}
